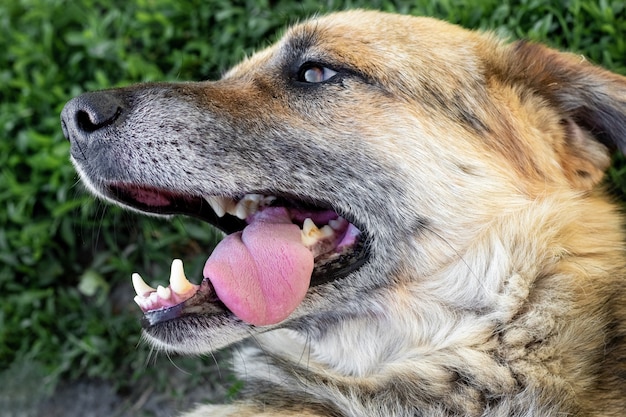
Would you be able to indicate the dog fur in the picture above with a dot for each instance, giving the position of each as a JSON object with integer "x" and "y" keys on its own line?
{"x": 495, "y": 284}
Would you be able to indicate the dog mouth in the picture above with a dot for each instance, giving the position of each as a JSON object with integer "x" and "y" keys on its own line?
{"x": 276, "y": 248}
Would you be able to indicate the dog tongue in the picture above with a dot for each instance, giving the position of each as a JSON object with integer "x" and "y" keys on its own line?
{"x": 262, "y": 273}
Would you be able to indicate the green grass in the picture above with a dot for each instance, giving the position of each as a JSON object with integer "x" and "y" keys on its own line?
{"x": 65, "y": 259}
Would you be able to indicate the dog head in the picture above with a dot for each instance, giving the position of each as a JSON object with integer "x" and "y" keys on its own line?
{"x": 416, "y": 132}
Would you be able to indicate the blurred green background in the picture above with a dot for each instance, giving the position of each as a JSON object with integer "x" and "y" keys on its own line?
{"x": 66, "y": 310}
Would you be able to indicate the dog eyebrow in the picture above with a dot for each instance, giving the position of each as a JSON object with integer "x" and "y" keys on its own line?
{"x": 306, "y": 44}
{"x": 299, "y": 43}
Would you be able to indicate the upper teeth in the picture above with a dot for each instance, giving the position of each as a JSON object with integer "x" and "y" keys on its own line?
{"x": 249, "y": 204}
{"x": 219, "y": 204}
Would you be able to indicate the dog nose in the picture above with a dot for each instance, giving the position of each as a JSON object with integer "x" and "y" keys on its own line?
{"x": 89, "y": 113}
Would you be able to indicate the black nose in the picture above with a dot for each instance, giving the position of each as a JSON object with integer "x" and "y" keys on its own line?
{"x": 88, "y": 113}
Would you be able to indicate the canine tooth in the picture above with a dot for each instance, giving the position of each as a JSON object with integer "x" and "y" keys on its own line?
{"x": 178, "y": 281}
{"x": 140, "y": 286}
{"x": 164, "y": 293}
{"x": 222, "y": 205}
{"x": 218, "y": 204}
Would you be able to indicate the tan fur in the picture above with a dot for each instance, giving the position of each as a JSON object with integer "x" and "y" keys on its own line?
{"x": 495, "y": 285}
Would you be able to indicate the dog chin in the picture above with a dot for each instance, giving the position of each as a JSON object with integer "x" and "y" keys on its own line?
{"x": 197, "y": 336}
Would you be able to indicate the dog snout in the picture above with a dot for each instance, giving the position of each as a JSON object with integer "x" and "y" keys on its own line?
{"x": 88, "y": 113}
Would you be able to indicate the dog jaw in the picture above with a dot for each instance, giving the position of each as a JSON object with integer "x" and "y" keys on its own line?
{"x": 325, "y": 244}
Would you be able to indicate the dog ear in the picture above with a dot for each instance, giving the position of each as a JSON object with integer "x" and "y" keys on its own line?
{"x": 592, "y": 101}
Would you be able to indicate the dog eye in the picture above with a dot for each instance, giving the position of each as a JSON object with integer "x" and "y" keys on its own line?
{"x": 315, "y": 74}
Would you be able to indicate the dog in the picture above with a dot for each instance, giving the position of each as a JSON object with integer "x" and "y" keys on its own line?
{"x": 415, "y": 217}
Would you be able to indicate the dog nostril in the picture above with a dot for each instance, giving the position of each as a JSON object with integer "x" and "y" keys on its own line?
{"x": 84, "y": 122}
{"x": 89, "y": 113}
{"x": 89, "y": 123}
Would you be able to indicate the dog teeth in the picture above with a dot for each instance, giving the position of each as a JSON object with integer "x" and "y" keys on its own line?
{"x": 267, "y": 200}
{"x": 165, "y": 293}
{"x": 311, "y": 234}
{"x": 178, "y": 290}
{"x": 140, "y": 286}
{"x": 327, "y": 231}
{"x": 220, "y": 205}
{"x": 243, "y": 207}
{"x": 249, "y": 204}
{"x": 338, "y": 224}
{"x": 179, "y": 283}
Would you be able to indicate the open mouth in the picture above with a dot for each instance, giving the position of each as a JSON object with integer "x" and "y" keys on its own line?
{"x": 276, "y": 248}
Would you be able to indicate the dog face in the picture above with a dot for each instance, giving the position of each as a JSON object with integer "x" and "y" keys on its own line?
{"x": 421, "y": 135}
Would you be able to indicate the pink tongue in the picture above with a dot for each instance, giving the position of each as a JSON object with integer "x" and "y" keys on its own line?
{"x": 263, "y": 273}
